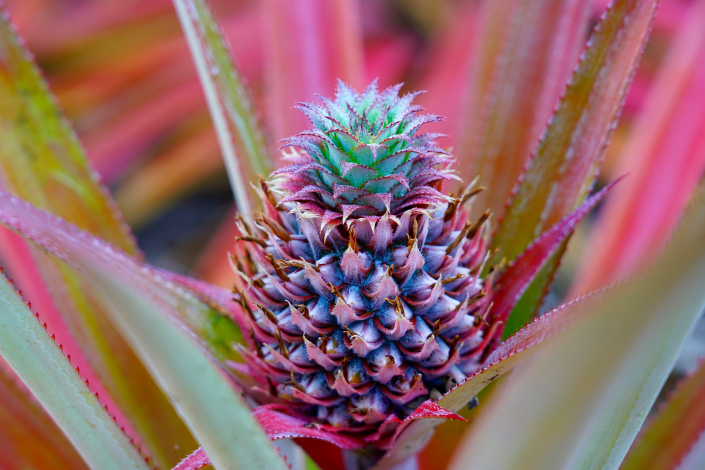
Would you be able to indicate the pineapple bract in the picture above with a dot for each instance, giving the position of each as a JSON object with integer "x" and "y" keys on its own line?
{"x": 361, "y": 279}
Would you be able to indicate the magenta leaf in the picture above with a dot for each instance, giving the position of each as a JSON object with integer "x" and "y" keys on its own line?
{"x": 280, "y": 422}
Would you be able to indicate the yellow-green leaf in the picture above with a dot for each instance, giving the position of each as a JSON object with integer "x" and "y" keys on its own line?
{"x": 43, "y": 367}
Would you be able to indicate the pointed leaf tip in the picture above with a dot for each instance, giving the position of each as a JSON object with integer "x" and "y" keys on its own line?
{"x": 514, "y": 281}
{"x": 196, "y": 460}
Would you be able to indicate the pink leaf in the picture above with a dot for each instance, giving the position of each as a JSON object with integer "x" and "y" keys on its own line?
{"x": 516, "y": 278}
{"x": 197, "y": 459}
{"x": 312, "y": 44}
{"x": 665, "y": 156}
{"x": 279, "y": 423}
{"x": 525, "y": 52}
{"x": 561, "y": 172}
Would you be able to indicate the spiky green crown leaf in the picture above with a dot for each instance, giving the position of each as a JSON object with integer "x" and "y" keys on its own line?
{"x": 364, "y": 157}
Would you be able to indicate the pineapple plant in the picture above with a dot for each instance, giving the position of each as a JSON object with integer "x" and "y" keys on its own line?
{"x": 369, "y": 303}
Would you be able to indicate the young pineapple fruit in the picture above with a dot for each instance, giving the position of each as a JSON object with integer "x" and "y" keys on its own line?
{"x": 361, "y": 279}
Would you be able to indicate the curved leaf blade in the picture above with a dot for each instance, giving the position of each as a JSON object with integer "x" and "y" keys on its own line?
{"x": 560, "y": 174}
{"x": 675, "y": 429}
{"x": 155, "y": 315}
{"x": 533, "y": 264}
{"x": 43, "y": 367}
{"x": 582, "y": 404}
{"x": 195, "y": 460}
{"x": 241, "y": 139}
{"x": 41, "y": 160}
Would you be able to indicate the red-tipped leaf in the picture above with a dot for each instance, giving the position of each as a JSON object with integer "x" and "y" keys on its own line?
{"x": 664, "y": 156}
{"x": 563, "y": 168}
{"x": 525, "y": 52}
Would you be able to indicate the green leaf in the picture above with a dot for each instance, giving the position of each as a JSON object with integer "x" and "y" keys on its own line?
{"x": 42, "y": 161}
{"x": 155, "y": 315}
{"x": 202, "y": 393}
{"x": 671, "y": 434}
{"x": 43, "y": 367}
{"x": 241, "y": 139}
{"x": 582, "y": 403}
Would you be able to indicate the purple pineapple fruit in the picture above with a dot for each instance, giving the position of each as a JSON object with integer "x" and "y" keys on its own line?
{"x": 362, "y": 281}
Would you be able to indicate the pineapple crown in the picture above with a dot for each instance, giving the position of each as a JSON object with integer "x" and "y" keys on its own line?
{"x": 364, "y": 157}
